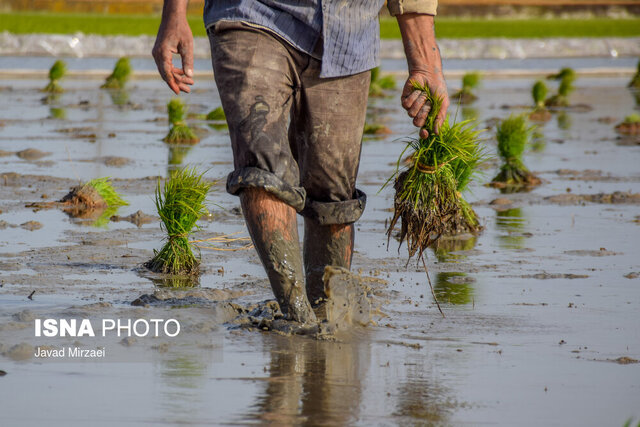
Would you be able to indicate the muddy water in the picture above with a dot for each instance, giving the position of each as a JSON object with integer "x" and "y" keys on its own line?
{"x": 540, "y": 308}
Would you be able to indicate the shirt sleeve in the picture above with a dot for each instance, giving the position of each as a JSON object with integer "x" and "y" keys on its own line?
{"x": 399, "y": 7}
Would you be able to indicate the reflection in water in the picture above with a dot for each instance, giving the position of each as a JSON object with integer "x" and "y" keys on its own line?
{"x": 564, "y": 120}
{"x": 454, "y": 288}
{"x": 513, "y": 223}
{"x": 538, "y": 141}
{"x": 469, "y": 113}
{"x": 57, "y": 113}
{"x": 176, "y": 281}
{"x": 423, "y": 401}
{"x": 445, "y": 248}
{"x": 177, "y": 153}
{"x": 312, "y": 382}
{"x": 119, "y": 97}
{"x": 51, "y": 98}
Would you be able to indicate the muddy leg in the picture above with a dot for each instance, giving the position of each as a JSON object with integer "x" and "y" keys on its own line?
{"x": 273, "y": 229}
{"x": 325, "y": 245}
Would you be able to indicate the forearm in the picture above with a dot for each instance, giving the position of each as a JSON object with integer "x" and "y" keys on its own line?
{"x": 172, "y": 9}
{"x": 419, "y": 40}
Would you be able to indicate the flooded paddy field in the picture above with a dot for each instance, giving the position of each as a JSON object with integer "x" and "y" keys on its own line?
{"x": 541, "y": 308}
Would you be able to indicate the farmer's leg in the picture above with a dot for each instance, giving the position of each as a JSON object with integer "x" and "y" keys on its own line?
{"x": 327, "y": 127}
{"x": 255, "y": 74}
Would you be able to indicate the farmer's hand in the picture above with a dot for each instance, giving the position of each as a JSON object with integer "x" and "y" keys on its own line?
{"x": 425, "y": 68}
{"x": 174, "y": 36}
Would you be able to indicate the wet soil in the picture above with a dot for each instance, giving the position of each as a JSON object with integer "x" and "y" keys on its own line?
{"x": 532, "y": 304}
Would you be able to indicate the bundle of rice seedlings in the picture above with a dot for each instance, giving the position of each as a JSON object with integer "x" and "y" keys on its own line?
{"x": 375, "y": 129}
{"x": 630, "y": 125}
{"x": 428, "y": 198}
{"x": 180, "y": 203}
{"x": 465, "y": 95}
{"x": 56, "y": 73}
{"x": 540, "y": 112}
{"x": 513, "y": 134}
{"x": 121, "y": 73}
{"x": 96, "y": 199}
{"x": 380, "y": 83}
{"x": 217, "y": 114}
{"x": 566, "y": 76}
{"x": 179, "y": 133}
{"x": 635, "y": 81}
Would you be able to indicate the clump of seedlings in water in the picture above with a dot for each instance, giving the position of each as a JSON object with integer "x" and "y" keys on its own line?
{"x": 635, "y": 81}
{"x": 566, "y": 76}
{"x": 540, "y": 112}
{"x": 56, "y": 73}
{"x": 217, "y": 114}
{"x": 121, "y": 73}
{"x": 376, "y": 129}
{"x": 380, "y": 83}
{"x": 95, "y": 199}
{"x": 630, "y": 125}
{"x": 180, "y": 203}
{"x": 465, "y": 95}
{"x": 514, "y": 135}
{"x": 180, "y": 132}
{"x": 428, "y": 200}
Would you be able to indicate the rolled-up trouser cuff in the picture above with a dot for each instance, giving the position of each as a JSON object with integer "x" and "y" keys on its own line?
{"x": 250, "y": 177}
{"x": 329, "y": 213}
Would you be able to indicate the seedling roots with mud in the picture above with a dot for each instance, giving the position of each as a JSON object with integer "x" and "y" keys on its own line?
{"x": 514, "y": 135}
{"x": 180, "y": 203}
{"x": 428, "y": 200}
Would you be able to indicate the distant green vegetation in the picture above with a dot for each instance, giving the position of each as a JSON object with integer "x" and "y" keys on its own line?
{"x": 445, "y": 27}
{"x": 524, "y": 28}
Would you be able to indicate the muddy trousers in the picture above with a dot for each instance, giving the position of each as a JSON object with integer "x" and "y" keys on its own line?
{"x": 296, "y": 141}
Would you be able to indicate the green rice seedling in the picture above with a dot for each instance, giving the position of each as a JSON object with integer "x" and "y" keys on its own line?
{"x": 120, "y": 74}
{"x": 96, "y": 200}
{"x": 428, "y": 199}
{"x": 56, "y": 73}
{"x": 216, "y": 114}
{"x": 180, "y": 203}
{"x": 375, "y": 129}
{"x": 566, "y": 76}
{"x": 465, "y": 95}
{"x": 180, "y": 132}
{"x": 539, "y": 93}
{"x": 380, "y": 83}
{"x": 514, "y": 135}
{"x": 57, "y": 113}
{"x": 635, "y": 81}
{"x": 630, "y": 125}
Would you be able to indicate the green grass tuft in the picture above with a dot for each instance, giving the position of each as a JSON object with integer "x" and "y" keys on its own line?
{"x": 56, "y": 73}
{"x": 180, "y": 203}
{"x": 121, "y": 73}
{"x": 566, "y": 76}
{"x": 428, "y": 198}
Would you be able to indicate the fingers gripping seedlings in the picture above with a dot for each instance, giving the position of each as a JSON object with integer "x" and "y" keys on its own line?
{"x": 121, "y": 73}
{"x": 514, "y": 135}
{"x": 428, "y": 199}
{"x": 56, "y": 73}
{"x": 180, "y": 132}
{"x": 180, "y": 203}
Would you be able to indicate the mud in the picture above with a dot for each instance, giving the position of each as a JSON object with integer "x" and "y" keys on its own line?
{"x": 534, "y": 278}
